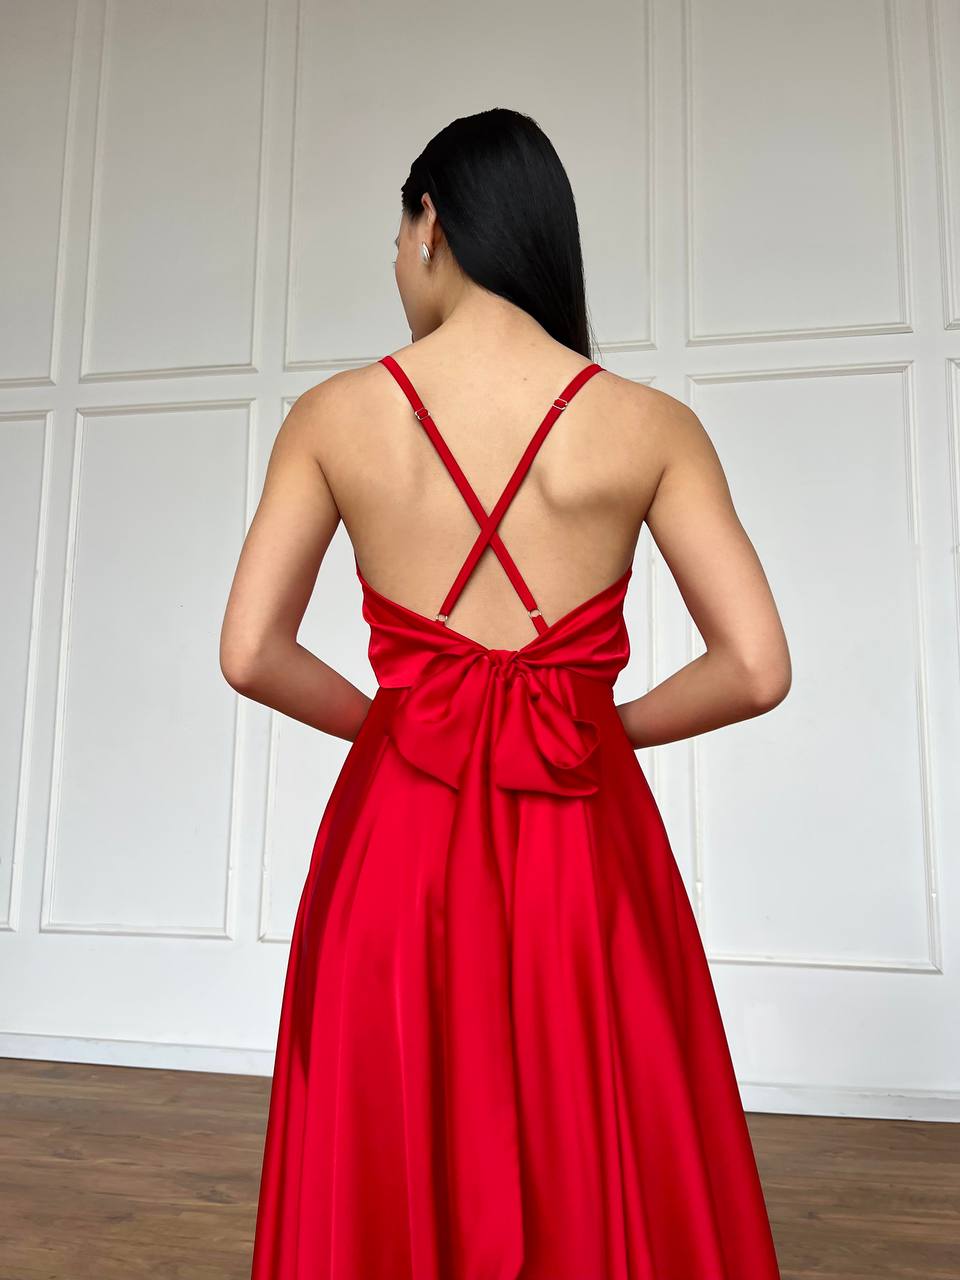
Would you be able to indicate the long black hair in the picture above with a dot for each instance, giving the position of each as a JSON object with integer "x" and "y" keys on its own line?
{"x": 507, "y": 211}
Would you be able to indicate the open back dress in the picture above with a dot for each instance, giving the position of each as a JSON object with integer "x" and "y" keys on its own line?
{"x": 500, "y": 1053}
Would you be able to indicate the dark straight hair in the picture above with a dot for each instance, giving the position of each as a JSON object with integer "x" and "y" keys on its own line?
{"x": 507, "y": 210}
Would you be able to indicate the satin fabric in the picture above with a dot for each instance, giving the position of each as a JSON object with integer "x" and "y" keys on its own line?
{"x": 500, "y": 1053}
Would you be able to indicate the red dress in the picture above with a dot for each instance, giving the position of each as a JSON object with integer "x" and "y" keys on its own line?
{"x": 500, "y": 1053}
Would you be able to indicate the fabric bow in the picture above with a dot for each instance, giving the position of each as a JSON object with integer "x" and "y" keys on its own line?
{"x": 537, "y": 744}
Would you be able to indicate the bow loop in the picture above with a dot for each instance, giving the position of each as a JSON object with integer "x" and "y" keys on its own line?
{"x": 537, "y": 743}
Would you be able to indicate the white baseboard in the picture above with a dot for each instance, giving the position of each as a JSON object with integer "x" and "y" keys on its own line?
{"x": 780, "y": 1099}
{"x": 139, "y": 1053}
{"x": 842, "y": 1100}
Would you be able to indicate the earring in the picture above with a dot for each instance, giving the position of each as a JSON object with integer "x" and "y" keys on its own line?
{"x": 424, "y": 252}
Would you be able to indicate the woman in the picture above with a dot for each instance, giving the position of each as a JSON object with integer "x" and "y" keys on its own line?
{"x": 500, "y": 1053}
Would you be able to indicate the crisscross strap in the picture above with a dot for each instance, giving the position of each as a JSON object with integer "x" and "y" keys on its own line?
{"x": 488, "y": 535}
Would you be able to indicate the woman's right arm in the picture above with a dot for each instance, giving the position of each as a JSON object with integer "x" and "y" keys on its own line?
{"x": 746, "y": 668}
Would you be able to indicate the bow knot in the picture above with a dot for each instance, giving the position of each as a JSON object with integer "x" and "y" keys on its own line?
{"x": 536, "y": 742}
{"x": 501, "y": 657}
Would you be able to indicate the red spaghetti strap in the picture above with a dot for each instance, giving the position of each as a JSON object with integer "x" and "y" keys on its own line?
{"x": 488, "y": 535}
{"x": 490, "y": 523}
{"x": 422, "y": 414}
{"x": 466, "y": 490}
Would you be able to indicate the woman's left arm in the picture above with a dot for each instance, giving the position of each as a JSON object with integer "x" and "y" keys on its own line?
{"x": 288, "y": 537}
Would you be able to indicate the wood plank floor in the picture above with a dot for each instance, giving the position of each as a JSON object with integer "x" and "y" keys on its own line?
{"x": 116, "y": 1173}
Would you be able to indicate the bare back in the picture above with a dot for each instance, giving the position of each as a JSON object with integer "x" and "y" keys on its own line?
{"x": 565, "y": 479}
{"x": 617, "y": 456}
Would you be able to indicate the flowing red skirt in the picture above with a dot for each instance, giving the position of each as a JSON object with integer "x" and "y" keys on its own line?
{"x": 500, "y": 1053}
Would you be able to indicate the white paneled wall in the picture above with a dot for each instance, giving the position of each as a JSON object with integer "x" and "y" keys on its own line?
{"x": 199, "y": 202}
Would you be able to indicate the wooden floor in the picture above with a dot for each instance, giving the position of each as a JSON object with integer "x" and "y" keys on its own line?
{"x": 115, "y": 1173}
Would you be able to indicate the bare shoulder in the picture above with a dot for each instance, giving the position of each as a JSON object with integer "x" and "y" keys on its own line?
{"x": 330, "y": 399}
{"x": 655, "y": 425}
{"x": 326, "y": 414}
{"x": 657, "y": 411}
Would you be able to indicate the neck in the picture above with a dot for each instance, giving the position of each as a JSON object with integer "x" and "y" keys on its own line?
{"x": 483, "y": 319}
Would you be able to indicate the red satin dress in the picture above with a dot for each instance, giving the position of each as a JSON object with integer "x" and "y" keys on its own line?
{"x": 500, "y": 1053}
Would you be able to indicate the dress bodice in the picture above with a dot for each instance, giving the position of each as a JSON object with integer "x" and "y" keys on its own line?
{"x": 535, "y": 729}
{"x": 455, "y": 688}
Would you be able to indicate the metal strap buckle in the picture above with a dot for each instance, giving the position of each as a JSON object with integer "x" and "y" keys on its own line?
{"x": 421, "y": 413}
{"x": 560, "y": 403}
